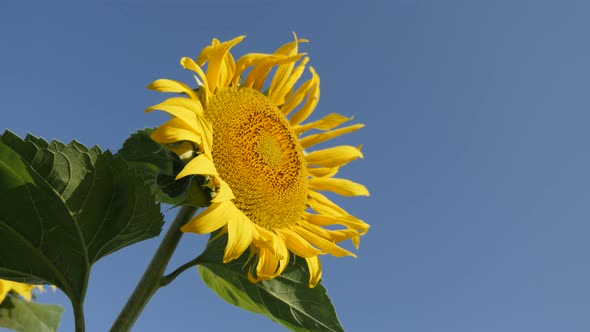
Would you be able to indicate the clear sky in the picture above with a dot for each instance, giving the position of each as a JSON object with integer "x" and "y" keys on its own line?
{"x": 476, "y": 147}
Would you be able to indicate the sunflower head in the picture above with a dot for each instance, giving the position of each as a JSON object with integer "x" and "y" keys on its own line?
{"x": 243, "y": 131}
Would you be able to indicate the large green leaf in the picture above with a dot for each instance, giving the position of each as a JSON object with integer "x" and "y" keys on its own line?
{"x": 20, "y": 315}
{"x": 157, "y": 166}
{"x": 287, "y": 299}
{"x": 64, "y": 207}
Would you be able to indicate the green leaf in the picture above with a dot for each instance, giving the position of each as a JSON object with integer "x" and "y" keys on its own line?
{"x": 20, "y": 315}
{"x": 157, "y": 166}
{"x": 64, "y": 207}
{"x": 287, "y": 299}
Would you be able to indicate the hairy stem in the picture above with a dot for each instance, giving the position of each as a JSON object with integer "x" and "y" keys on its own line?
{"x": 150, "y": 281}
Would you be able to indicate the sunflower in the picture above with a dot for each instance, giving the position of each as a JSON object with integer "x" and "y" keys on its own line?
{"x": 250, "y": 144}
{"x": 21, "y": 289}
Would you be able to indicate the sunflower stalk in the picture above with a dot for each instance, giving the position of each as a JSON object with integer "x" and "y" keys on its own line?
{"x": 152, "y": 278}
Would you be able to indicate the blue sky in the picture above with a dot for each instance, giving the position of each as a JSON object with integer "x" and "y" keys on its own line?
{"x": 476, "y": 147}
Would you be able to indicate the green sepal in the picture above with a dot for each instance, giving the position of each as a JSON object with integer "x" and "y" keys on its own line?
{"x": 286, "y": 299}
{"x": 197, "y": 195}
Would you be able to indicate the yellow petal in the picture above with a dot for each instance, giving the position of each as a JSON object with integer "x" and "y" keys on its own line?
{"x": 188, "y": 63}
{"x": 229, "y": 68}
{"x": 247, "y": 61}
{"x": 180, "y": 107}
{"x": 268, "y": 266}
{"x": 334, "y": 156}
{"x": 201, "y": 165}
{"x": 315, "y": 270}
{"x": 211, "y": 219}
{"x": 282, "y": 81}
{"x": 356, "y": 241}
{"x": 328, "y": 122}
{"x": 175, "y": 130}
{"x": 166, "y": 85}
{"x": 224, "y": 193}
{"x": 191, "y": 112}
{"x": 216, "y": 59}
{"x": 258, "y": 74}
{"x": 325, "y": 245}
{"x": 316, "y": 197}
{"x": 342, "y": 187}
{"x": 312, "y": 100}
{"x": 204, "y": 55}
{"x": 310, "y": 140}
{"x": 291, "y": 48}
{"x": 296, "y": 98}
{"x": 349, "y": 221}
{"x": 337, "y": 235}
{"x": 206, "y": 130}
{"x": 271, "y": 241}
{"x": 321, "y": 172}
{"x": 240, "y": 232}
{"x": 297, "y": 244}
{"x": 279, "y": 90}
{"x": 21, "y": 289}
{"x": 185, "y": 151}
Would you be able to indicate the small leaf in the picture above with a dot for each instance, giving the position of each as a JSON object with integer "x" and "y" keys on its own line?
{"x": 20, "y": 315}
{"x": 287, "y": 299}
{"x": 157, "y": 166}
{"x": 64, "y": 207}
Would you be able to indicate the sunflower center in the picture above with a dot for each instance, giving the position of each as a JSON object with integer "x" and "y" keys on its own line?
{"x": 257, "y": 153}
{"x": 270, "y": 150}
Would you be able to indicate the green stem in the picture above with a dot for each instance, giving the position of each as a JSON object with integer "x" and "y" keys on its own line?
{"x": 79, "y": 317}
{"x": 150, "y": 281}
{"x": 170, "y": 277}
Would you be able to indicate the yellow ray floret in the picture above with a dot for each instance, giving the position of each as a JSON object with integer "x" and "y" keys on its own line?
{"x": 21, "y": 289}
{"x": 236, "y": 133}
